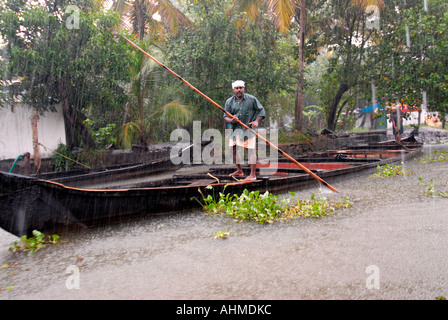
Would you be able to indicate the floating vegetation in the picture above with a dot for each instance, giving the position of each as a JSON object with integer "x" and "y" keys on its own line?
{"x": 316, "y": 207}
{"x": 38, "y": 241}
{"x": 390, "y": 170}
{"x": 440, "y": 156}
{"x": 222, "y": 234}
{"x": 430, "y": 188}
{"x": 265, "y": 207}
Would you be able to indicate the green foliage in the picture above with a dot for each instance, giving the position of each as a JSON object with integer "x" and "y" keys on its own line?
{"x": 429, "y": 192}
{"x": 441, "y": 156}
{"x": 79, "y": 67}
{"x": 316, "y": 208}
{"x": 152, "y": 110}
{"x": 92, "y": 70}
{"x": 265, "y": 207}
{"x": 390, "y": 170}
{"x": 61, "y": 157}
{"x": 222, "y": 234}
{"x": 38, "y": 241}
{"x": 103, "y": 137}
{"x": 430, "y": 188}
{"x": 412, "y": 55}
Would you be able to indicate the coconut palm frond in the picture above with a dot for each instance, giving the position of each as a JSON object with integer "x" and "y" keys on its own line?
{"x": 123, "y": 8}
{"x": 175, "y": 112}
{"x": 127, "y": 134}
{"x": 147, "y": 75}
{"x": 170, "y": 16}
{"x": 283, "y": 11}
{"x": 251, "y": 8}
{"x": 120, "y": 6}
{"x": 365, "y": 4}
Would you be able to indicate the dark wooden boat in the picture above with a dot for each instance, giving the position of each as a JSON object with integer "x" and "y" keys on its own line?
{"x": 28, "y": 203}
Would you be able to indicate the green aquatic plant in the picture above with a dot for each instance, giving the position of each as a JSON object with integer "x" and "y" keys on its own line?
{"x": 440, "y": 156}
{"x": 222, "y": 234}
{"x": 263, "y": 208}
{"x": 443, "y": 194}
{"x": 316, "y": 207}
{"x": 266, "y": 207}
{"x": 430, "y": 190}
{"x": 38, "y": 241}
{"x": 390, "y": 170}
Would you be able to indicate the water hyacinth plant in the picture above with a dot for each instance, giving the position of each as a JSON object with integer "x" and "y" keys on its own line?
{"x": 34, "y": 243}
{"x": 222, "y": 234}
{"x": 266, "y": 207}
{"x": 430, "y": 188}
{"x": 439, "y": 156}
{"x": 390, "y": 170}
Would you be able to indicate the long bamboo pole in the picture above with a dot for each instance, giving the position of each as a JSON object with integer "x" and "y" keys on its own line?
{"x": 230, "y": 115}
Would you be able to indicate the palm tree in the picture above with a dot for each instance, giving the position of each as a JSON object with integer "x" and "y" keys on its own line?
{"x": 144, "y": 112}
{"x": 148, "y": 20}
{"x": 149, "y": 17}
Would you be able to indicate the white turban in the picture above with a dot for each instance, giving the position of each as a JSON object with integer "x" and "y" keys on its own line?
{"x": 237, "y": 83}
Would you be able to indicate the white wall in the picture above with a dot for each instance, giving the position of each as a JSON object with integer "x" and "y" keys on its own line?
{"x": 16, "y": 135}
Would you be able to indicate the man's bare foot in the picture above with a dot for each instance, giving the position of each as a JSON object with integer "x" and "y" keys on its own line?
{"x": 237, "y": 174}
{"x": 250, "y": 178}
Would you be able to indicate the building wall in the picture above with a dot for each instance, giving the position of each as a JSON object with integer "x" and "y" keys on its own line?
{"x": 16, "y": 135}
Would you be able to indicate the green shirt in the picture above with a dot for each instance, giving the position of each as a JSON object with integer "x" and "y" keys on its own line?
{"x": 248, "y": 110}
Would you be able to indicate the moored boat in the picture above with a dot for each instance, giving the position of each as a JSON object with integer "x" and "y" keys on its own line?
{"x": 28, "y": 203}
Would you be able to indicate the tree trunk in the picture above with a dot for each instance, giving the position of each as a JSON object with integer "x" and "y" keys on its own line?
{"x": 331, "y": 119}
{"x": 298, "y": 104}
{"x": 37, "y": 159}
{"x": 71, "y": 121}
{"x": 210, "y": 121}
{"x": 140, "y": 16}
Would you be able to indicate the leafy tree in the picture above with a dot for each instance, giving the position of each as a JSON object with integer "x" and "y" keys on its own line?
{"x": 413, "y": 55}
{"x": 348, "y": 33}
{"x": 66, "y": 55}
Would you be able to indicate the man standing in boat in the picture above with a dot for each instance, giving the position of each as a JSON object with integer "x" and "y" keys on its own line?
{"x": 247, "y": 109}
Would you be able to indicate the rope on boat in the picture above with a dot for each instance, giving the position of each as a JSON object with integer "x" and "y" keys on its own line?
{"x": 209, "y": 174}
{"x": 64, "y": 156}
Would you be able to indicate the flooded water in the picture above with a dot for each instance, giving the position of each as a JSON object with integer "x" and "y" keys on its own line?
{"x": 390, "y": 245}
